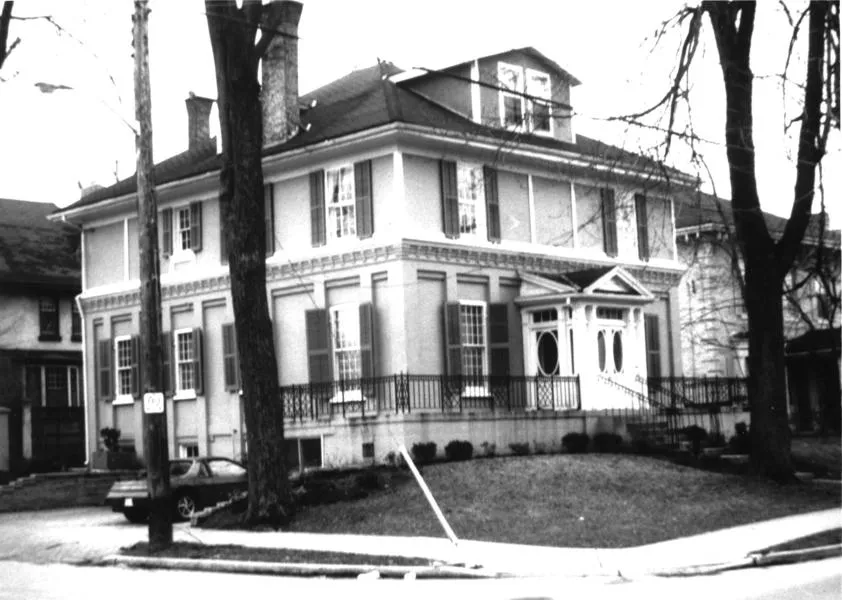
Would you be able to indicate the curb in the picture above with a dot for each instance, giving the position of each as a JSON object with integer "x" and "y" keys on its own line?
{"x": 301, "y": 569}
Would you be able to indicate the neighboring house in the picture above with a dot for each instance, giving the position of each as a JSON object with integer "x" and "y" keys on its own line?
{"x": 41, "y": 376}
{"x": 436, "y": 241}
{"x": 714, "y": 331}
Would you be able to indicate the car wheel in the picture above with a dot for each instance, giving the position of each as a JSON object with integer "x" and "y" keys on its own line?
{"x": 185, "y": 505}
{"x": 136, "y": 515}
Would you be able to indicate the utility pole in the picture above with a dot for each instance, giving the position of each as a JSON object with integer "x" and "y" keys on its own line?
{"x": 152, "y": 365}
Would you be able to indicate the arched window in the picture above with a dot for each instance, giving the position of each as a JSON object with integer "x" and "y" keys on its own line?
{"x": 600, "y": 342}
{"x": 618, "y": 351}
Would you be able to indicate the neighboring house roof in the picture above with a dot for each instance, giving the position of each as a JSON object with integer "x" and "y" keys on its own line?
{"x": 708, "y": 210}
{"x": 362, "y": 100}
{"x": 35, "y": 251}
{"x": 816, "y": 340}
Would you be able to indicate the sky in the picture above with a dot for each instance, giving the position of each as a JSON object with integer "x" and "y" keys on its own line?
{"x": 53, "y": 144}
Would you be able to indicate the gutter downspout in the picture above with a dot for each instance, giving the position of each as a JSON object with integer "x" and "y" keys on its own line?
{"x": 78, "y": 300}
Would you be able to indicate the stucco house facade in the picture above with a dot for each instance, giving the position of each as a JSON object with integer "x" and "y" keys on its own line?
{"x": 425, "y": 228}
{"x": 41, "y": 377}
{"x": 714, "y": 323}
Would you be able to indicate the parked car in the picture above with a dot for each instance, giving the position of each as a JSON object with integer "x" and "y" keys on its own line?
{"x": 195, "y": 483}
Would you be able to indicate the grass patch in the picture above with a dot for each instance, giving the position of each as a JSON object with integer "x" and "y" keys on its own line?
{"x": 586, "y": 500}
{"x": 270, "y": 555}
{"x": 821, "y": 455}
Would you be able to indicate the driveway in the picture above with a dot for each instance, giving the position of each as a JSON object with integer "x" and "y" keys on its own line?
{"x": 70, "y": 535}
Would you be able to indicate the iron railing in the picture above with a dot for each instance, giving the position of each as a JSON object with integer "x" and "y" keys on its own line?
{"x": 404, "y": 393}
{"x": 698, "y": 392}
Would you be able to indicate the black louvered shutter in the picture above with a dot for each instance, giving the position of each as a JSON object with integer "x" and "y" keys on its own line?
{"x": 230, "y": 360}
{"x": 609, "y": 222}
{"x": 196, "y": 226}
{"x": 166, "y": 231}
{"x": 269, "y": 217}
{"x": 317, "y": 208}
{"x": 642, "y": 226}
{"x": 198, "y": 363}
{"x": 363, "y": 194}
{"x": 498, "y": 338}
{"x": 104, "y": 369}
{"x": 168, "y": 376}
{"x": 492, "y": 203}
{"x": 449, "y": 198}
{"x": 367, "y": 347}
{"x": 318, "y": 345}
{"x": 652, "y": 336}
{"x": 135, "y": 362}
{"x": 453, "y": 339}
{"x": 223, "y": 240}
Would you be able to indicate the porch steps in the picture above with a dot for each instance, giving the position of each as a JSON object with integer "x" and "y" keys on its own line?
{"x": 44, "y": 491}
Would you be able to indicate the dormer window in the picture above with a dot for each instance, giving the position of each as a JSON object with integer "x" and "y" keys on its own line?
{"x": 525, "y": 96}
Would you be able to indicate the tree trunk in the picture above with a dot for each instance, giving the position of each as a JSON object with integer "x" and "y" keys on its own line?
{"x": 242, "y": 212}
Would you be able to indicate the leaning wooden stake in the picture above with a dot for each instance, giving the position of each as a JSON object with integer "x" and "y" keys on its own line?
{"x": 429, "y": 496}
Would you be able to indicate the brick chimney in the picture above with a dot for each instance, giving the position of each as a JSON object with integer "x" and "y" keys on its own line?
{"x": 198, "y": 120}
{"x": 280, "y": 78}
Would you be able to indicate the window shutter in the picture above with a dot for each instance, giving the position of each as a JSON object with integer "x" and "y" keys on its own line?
{"x": 449, "y": 198}
{"x": 317, "y": 208}
{"x": 492, "y": 203}
{"x": 166, "y": 231}
{"x": 104, "y": 369}
{"x": 198, "y": 372}
{"x": 653, "y": 345}
{"x": 135, "y": 346}
{"x": 367, "y": 340}
{"x": 196, "y": 226}
{"x": 453, "y": 339}
{"x": 223, "y": 241}
{"x": 168, "y": 376}
{"x": 642, "y": 226}
{"x": 364, "y": 200}
{"x": 229, "y": 358}
{"x": 269, "y": 217}
{"x": 498, "y": 337}
{"x": 318, "y": 345}
{"x": 609, "y": 222}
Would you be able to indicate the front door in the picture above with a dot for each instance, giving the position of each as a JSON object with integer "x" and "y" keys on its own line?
{"x": 547, "y": 361}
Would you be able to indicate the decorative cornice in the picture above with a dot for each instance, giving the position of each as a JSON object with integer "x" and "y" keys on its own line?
{"x": 657, "y": 278}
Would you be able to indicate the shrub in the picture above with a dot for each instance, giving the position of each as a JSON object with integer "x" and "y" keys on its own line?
{"x": 740, "y": 443}
{"x": 424, "y": 452}
{"x": 489, "y": 450}
{"x": 370, "y": 479}
{"x": 715, "y": 439}
{"x": 110, "y": 438}
{"x": 607, "y": 442}
{"x": 539, "y": 448}
{"x": 695, "y": 435}
{"x": 459, "y": 450}
{"x": 519, "y": 449}
{"x": 575, "y": 443}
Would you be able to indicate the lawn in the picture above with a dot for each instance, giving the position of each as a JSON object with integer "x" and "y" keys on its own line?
{"x": 603, "y": 500}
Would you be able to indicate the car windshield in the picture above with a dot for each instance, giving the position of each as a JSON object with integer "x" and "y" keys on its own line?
{"x": 179, "y": 468}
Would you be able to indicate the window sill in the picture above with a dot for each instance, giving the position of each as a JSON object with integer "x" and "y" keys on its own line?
{"x": 119, "y": 400}
{"x": 185, "y": 395}
{"x": 51, "y": 337}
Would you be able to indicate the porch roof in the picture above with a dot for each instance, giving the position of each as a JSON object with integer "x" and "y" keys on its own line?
{"x": 599, "y": 283}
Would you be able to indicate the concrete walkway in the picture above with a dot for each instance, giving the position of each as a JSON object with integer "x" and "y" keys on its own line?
{"x": 717, "y": 547}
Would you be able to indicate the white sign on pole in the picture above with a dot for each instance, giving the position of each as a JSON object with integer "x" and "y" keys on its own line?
{"x": 153, "y": 403}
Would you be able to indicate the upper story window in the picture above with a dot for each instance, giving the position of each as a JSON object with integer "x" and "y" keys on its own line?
{"x": 181, "y": 229}
{"x": 48, "y": 314}
{"x": 613, "y": 314}
{"x": 470, "y": 204}
{"x": 341, "y": 203}
{"x": 471, "y": 198}
{"x": 525, "y": 98}
{"x": 75, "y": 323}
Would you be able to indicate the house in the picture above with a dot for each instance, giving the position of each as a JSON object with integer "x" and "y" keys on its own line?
{"x": 714, "y": 340}
{"x": 447, "y": 259}
{"x": 41, "y": 377}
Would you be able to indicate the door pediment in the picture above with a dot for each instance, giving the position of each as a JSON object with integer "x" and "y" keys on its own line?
{"x": 599, "y": 282}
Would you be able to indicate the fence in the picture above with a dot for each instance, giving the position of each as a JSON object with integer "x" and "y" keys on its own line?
{"x": 697, "y": 392}
{"x": 404, "y": 393}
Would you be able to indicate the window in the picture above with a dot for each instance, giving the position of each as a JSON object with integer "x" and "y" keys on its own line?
{"x": 179, "y": 467}
{"x": 48, "y": 313}
{"x": 609, "y": 221}
{"x": 303, "y": 453}
{"x": 185, "y": 357}
{"x": 230, "y": 360}
{"x": 75, "y": 399}
{"x": 220, "y": 467}
{"x": 471, "y": 198}
{"x": 472, "y": 327}
{"x": 549, "y": 315}
{"x": 538, "y": 87}
{"x": 52, "y": 385}
{"x": 75, "y": 323}
{"x": 614, "y": 314}
{"x": 181, "y": 229}
{"x": 188, "y": 450}
{"x": 642, "y": 227}
{"x": 341, "y": 216}
{"x": 510, "y": 78}
{"x": 345, "y": 328}
{"x": 56, "y": 386}
{"x": 123, "y": 367}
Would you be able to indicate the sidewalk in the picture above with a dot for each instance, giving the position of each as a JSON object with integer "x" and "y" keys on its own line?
{"x": 717, "y": 547}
